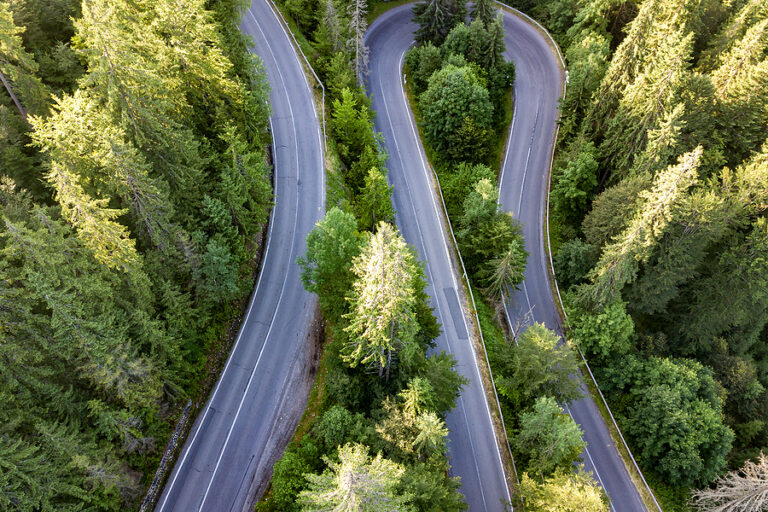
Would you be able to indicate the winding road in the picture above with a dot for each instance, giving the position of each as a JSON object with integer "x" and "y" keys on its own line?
{"x": 473, "y": 449}
{"x": 235, "y": 436}
{"x": 523, "y": 191}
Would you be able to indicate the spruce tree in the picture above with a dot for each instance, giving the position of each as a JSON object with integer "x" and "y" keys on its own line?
{"x": 620, "y": 260}
{"x": 357, "y": 483}
{"x": 382, "y": 302}
{"x": 485, "y": 11}
{"x": 436, "y": 18}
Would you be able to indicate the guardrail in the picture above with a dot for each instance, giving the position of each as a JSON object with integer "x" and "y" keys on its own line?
{"x": 551, "y": 262}
{"x": 170, "y": 449}
{"x": 477, "y": 319}
{"x": 287, "y": 29}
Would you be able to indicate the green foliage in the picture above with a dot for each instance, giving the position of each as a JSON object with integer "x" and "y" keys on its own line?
{"x": 672, "y": 94}
{"x": 357, "y": 482}
{"x": 122, "y": 268}
{"x": 506, "y": 272}
{"x": 613, "y": 209}
{"x": 458, "y": 183}
{"x": 563, "y": 492}
{"x": 620, "y": 260}
{"x": 288, "y": 480}
{"x": 436, "y": 18}
{"x": 675, "y": 417}
{"x": 606, "y": 334}
{"x": 350, "y": 126}
{"x": 422, "y": 61}
{"x": 575, "y": 183}
{"x": 538, "y": 365}
{"x": 490, "y": 240}
{"x": 430, "y": 490}
{"x": 453, "y": 94}
{"x": 327, "y": 265}
{"x": 382, "y": 301}
{"x": 375, "y": 204}
{"x": 548, "y": 438}
{"x": 483, "y": 10}
{"x": 573, "y": 261}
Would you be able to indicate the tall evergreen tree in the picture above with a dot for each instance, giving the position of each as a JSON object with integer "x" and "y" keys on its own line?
{"x": 436, "y": 18}
{"x": 382, "y": 302}
{"x": 619, "y": 262}
{"x": 485, "y": 11}
{"x": 18, "y": 69}
{"x": 357, "y": 483}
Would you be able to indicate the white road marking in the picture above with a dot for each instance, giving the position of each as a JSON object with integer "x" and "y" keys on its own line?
{"x": 445, "y": 248}
{"x": 591, "y": 460}
{"x": 282, "y": 289}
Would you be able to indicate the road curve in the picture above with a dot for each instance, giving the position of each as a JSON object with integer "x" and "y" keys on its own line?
{"x": 473, "y": 449}
{"x": 236, "y": 435}
{"x": 523, "y": 191}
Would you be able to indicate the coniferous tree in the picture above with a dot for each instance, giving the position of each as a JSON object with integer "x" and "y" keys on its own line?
{"x": 382, "y": 302}
{"x": 374, "y": 204}
{"x": 619, "y": 263}
{"x": 436, "y": 18}
{"x": 18, "y": 69}
{"x": 485, "y": 11}
{"x": 357, "y": 483}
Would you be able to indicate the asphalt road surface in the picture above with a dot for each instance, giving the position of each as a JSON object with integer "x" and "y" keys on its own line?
{"x": 473, "y": 449}
{"x": 240, "y": 429}
{"x": 523, "y": 191}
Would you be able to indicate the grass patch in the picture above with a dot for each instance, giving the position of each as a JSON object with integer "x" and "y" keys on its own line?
{"x": 499, "y": 145}
{"x": 380, "y": 7}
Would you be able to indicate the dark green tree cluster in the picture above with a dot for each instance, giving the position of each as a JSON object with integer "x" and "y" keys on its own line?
{"x": 534, "y": 375}
{"x": 336, "y": 29}
{"x": 460, "y": 85}
{"x": 660, "y": 191}
{"x": 461, "y": 81}
{"x": 491, "y": 241}
{"x": 133, "y": 187}
{"x": 379, "y": 440}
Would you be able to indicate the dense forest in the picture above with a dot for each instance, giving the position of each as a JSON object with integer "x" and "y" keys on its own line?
{"x": 134, "y": 185}
{"x": 659, "y": 194}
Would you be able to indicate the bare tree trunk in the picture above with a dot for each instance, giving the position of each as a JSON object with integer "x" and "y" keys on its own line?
{"x": 14, "y": 98}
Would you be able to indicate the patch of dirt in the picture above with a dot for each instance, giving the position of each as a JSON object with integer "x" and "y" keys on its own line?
{"x": 292, "y": 406}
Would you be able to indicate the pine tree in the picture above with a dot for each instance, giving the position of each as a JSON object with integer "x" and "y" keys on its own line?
{"x": 374, "y": 204}
{"x": 551, "y": 438}
{"x": 508, "y": 271}
{"x": 485, "y": 11}
{"x": 357, "y": 483}
{"x": 436, "y": 18}
{"x": 564, "y": 492}
{"x": 110, "y": 166}
{"x": 431, "y": 437}
{"x": 620, "y": 260}
{"x": 18, "y": 69}
{"x": 741, "y": 86}
{"x": 382, "y": 302}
